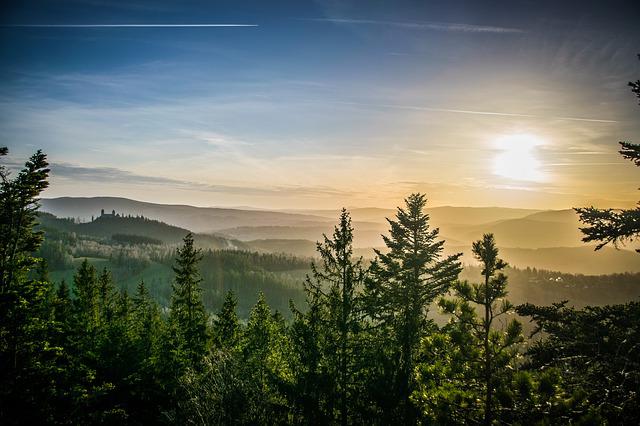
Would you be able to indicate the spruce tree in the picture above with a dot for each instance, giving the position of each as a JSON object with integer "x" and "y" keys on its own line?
{"x": 86, "y": 301}
{"x": 266, "y": 353}
{"x": 28, "y": 350}
{"x": 404, "y": 282}
{"x": 106, "y": 297}
{"x": 308, "y": 339}
{"x": 337, "y": 286}
{"x": 226, "y": 326}
{"x": 146, "y": 320}
{"x": 187, "y": 310}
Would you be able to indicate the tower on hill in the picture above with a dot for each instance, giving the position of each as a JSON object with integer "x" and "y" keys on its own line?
{"x": 112, "y": 214}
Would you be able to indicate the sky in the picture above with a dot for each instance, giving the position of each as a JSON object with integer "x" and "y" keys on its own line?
{"x": 322, "y": 104}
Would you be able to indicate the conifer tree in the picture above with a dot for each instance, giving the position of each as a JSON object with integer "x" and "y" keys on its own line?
{"x": 611, "y": 225}
{"x": 490, "y": 349}
{"x": 106, "y": 297}
{"x": 146, "y": 320}
{"x": 227, "y": 326}
{"x": 266, "y": 354}
{"x": 86, "y": 306}
{"x": 27, "y": 329}
{"x": 337, "y": 287}
{"x": 404, "y": 282}
{"x": 308, "y": 340}
{"x": 187, "y": 310}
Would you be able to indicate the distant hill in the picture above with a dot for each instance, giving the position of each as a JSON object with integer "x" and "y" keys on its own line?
{"x": 568, "y": 216}
{"x": 366, "y": 234}
{"x": 548, "y": 239}
{"x": 573, "y": 260}
{"x": 439, "y": 215}
{"x": 300, "y": 248}
{"x": 109, "y": 226}
{"x": 197, "y": 219}
{"x": 523, "y": 233}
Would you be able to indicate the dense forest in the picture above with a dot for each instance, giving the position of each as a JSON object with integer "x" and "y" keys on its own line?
{"x": 360, "y": 346}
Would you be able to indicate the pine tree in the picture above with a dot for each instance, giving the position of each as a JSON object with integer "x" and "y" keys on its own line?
{"x": 610, "y": 225}
{"x": 226, "y": 326}
{"x": 86, "y": 302}
{"x": 106, "y": 297}
{"x": 594, "y": 354}
{"x": 146, "y": 320}
{"x": 147, "y": 390}
{"x": 403, "y": 284}
{"x": 266, "y": 353}
{"x": 490, "y": 350}
{"x": 337, "y": 287}
{"x": 308, "y": 339}
{"x": 26, "y": 352}
{"x": 187, "y": 310}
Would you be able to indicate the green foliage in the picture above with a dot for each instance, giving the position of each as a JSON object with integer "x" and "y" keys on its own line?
{"x": 226, "y": 327}
{"x": 598, "y": 351}
{"x": 335, "y": 321}
{"x": 404, "y": 282}
{"x": 446, "y": 383}
{"x": 489, "y": 349}
{"x": 265, "y": 352}
{"x": 361, "y": 350}
{"x": 134, "y": 239}
{"x": 27, "y": 330}
{"x": 187, "y": 310}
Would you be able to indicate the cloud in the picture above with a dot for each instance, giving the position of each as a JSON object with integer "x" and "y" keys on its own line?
{"x": 111, "y": 175}
{"x": 434, "y": 26}
{"x": 216, "y": 139}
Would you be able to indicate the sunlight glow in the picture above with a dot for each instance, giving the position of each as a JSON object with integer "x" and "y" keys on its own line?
{"x": 517, "y": 159}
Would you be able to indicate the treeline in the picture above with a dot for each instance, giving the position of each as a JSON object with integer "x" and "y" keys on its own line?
{"x": 361, "y": 349}
{"x": 134, "y": 239}
{"x": 279, "y": 276}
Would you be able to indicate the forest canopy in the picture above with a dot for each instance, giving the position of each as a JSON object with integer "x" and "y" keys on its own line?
{"x": 358, "y": 342}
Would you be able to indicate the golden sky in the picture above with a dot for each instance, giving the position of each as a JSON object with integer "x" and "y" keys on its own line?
{"x": 326, "y": 104}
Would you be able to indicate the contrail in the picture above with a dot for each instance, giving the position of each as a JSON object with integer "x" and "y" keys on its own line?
{"x": 436, "y": 26}
{"x": 474, "y": 112}
{"x": 125, "y": 25}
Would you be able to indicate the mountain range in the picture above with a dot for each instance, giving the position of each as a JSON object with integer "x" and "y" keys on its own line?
{"x": 547, "y": 239}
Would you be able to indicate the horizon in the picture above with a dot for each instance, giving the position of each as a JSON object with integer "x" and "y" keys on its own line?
{"x": 294, "y": 209}
{"x": 324, "y": 104}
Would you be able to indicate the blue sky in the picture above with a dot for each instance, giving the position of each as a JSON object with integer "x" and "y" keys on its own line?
{"x": 324, "y": 103}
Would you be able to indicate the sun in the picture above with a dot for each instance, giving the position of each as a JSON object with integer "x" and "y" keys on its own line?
{"x": 517, "y": 158}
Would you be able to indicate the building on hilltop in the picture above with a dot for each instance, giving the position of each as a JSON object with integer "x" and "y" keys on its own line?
{"x": 112, "y": 214}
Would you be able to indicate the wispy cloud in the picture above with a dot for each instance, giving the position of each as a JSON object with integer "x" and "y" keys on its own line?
{"x": 475, "y": 112}
{"x": 216, "y": 139}
{"x": 434, "y": 26}
{"x": 125, "y": 25}
{"x": 111, "y": 175}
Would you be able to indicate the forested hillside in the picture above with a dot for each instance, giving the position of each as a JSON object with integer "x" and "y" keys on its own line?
{"x": 128, "y": 248}
{"x": 107, "y": 226}
{"x": 118, "y": 325}
{"x": 197, "y": 219}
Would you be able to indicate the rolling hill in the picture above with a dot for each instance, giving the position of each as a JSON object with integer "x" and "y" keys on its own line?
{"x": 109, "y": 226}
{"x": 548, "y": 239}
{"x": 197, "y": 219}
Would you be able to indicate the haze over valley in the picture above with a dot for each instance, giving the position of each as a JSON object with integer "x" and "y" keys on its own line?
{"x": 548, "y": 239}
